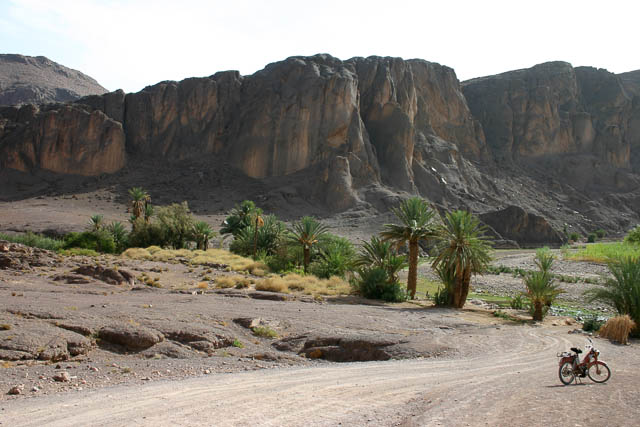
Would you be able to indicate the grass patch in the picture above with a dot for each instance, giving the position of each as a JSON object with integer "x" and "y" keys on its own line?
{"x": 79, "y": 252}
{"x": 427, "y": 286}
{"x": 210, "y": 257}
{"x": 265, "y": 332}
{"x": 233, "y": 281}
{"x": 506, "y": 316}
{"x": 203, "y": 285}
{"x": 306, "y": 284}
{"x": 34, "y": 240}
{"x": 605, "y": 252}
{"x": 237, "y": 344}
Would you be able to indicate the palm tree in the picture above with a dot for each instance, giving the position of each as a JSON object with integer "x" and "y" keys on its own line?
{"x": 96, "y": 222}
{"x": 307, "y": 232}
{"x": 541, "y": 292}
{"x": 148, "y": 213}
{"x": 416, "y": 223}
{"x": 202, "y": 232}
{"x": 463, "y": 249}
{"x": 139, "y": 200}
{"x": 622, "y": 290}
{"x": 379, "y": 253}
{"x": 240, "y": 217}
{"x": 119, "y": 234}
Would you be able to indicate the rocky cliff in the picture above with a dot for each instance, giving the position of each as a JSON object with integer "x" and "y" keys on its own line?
{"x": 559, "y": 141}
{"x": 36, "y": 80}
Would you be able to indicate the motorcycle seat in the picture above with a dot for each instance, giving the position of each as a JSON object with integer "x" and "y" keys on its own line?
{"x": 577, "y": 350}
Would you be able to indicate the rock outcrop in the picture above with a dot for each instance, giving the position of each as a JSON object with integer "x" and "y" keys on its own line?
{"x": 514, "y": 223}
{"x": 38, "y": 80}
{"x": 323, "y": 133}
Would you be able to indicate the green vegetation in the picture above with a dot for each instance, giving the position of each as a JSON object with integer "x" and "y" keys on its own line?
{"x": 416, "y": 224}
{"x": 374, "y": 282}
{"x": 237, "y": 344}
{"x": 633, "y": 236}
{"x": 622, "y": 291}
{"x": 463, "y": 250}
{"x": 574, "y": 237}
{"x": 307, "y": 232}
{"x": 541, "y": 289}
{"x": 99, "y": 241}
{"x": 591, "y": 238}
{"x": 265, "y": 332}
{"x": 517, "y": 302}
{"x": 606, "y": 252}
{"x": 34, "y": 240}
{"x": 592, "y": 324}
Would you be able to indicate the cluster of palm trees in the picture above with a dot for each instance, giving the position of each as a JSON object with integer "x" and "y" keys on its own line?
{"x": 461, "y": 246}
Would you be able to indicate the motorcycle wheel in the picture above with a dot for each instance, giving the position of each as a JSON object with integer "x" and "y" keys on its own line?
{"x": 599, "y": 372}
{"x": 566, "y": 373}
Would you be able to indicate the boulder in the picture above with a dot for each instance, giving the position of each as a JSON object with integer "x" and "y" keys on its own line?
{"x": 527, "y": 229}
{"x": 130, "y": 337}
{"x": 107, "y": 275}
{"x": 41, "y": 342}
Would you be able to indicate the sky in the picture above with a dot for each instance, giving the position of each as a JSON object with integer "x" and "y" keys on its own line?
{"x": 132, "y": 44}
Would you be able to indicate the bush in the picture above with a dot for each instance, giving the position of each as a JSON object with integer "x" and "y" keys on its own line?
{"x": 374, "y": 283}
{"x": 574, "y": 237}
{"x": 633, "y": 236}
{"x": 267, "y": 240}
{"x": 592, "y": 324}
{"x": 335, "y": 258}
{"x": 177, "y": 224}
{"x": 600, "y": 233}
{"x": 145, "y": 234}
{"x": 441, "y": 297}
{"x": 591, "y": 238}
{"x": 517, "y": 302}
{"x": 34, "y": 240}
{"x": 240, "y": 217}
{"x": 99, "y": 241}
{"x": 618, "y": 329}
{"x": 622, "y": 291}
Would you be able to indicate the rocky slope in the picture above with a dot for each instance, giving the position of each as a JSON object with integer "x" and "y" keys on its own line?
{"x": 558, "y": 141}
{"x": 27, "y": 79}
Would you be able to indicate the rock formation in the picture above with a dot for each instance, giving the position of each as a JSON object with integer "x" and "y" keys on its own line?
{"x": 559, "y": 141}
{"x": 37, "y": 80}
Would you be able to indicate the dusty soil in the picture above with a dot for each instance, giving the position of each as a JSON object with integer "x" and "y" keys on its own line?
{"x": 202, "y": 365}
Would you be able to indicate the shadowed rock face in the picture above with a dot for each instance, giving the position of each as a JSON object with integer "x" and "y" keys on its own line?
{"x": 36, "y": 80}
{"x": 579, "y": 121}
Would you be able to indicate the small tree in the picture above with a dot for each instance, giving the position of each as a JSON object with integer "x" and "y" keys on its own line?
{"x": 240, "y": 217}
{"x": 541, "y": 289}
{"x": 416, "y": 223}
{"x": 202, "y": 232}
{"x": 463, "y": 250}
{"x": 307, "y": 233}
{"x": 139, "y": 200}
{"x": 119, "y": 234}
{"x": 379, "y": 253}
{"x": 177, "y": 223}
{"x": 96, "y": 222}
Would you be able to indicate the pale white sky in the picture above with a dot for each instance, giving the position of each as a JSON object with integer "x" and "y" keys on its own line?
{"x": 132, "y": 44}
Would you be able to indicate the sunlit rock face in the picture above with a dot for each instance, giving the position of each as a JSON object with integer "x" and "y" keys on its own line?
{"x": 60, "y": 138}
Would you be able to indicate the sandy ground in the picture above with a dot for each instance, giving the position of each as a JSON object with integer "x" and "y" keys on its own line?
{"x": 514, "y": 384}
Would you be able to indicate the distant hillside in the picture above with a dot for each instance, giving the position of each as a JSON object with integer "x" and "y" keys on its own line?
{"x": 27, "y": 79}
{"x": 631, "y": 81}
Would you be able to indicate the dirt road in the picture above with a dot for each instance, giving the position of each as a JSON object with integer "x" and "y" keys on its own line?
{"x": 514, "y": 384}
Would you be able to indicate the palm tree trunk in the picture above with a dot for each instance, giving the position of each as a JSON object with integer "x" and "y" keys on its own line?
{"x": 412, "y": 280}
{"x": 307, "y": 258}
{"x": 464, "y": 287}
{"x": 537, "y": 311}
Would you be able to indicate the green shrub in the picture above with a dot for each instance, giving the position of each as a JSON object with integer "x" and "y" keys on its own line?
{"x": 78, "y": 252}
{"x": 517, "y": 302}
{"x": 177, "y": 224}
{"x": 145, "y": 234}
{"x": 574, "y": 236}
{"x": 240, "y": 217}
{"x": 34, "y": 240}
{"x": 99, "y": 241}
{"x": 591, "y": 238}
{"x": 374, "y": 283}
{"x": 633, "y": 236}
{"x": 335, "y": 258}
{"x": 267, "y": 240}
{"x": 600, "y": 233}
{"x": 622, "y": 291}
{"x": 592, "y": 324}
{"x": 441, "y": 297}
{"x": 119, "y": 234}
{"x": 265, "y": 332}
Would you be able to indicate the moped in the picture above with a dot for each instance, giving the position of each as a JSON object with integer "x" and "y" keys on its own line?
{"x": 571, "y": 369}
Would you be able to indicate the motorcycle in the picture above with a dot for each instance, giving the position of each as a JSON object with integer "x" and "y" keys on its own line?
{"x": 572, "y": 369}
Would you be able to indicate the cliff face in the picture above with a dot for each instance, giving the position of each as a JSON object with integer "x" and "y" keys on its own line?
{"x": 581, "y": 120}
{"x": 37, "y": 80}
{"x": 341, "y": 134}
